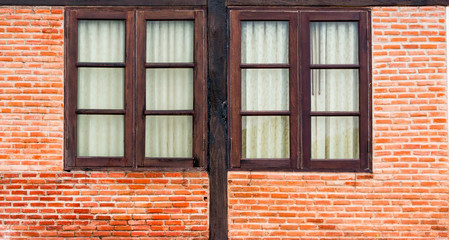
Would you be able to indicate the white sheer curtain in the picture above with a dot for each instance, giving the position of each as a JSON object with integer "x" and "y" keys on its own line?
{"x": 334, "y": 90}
{"x": 168, "y": 136}
{"x": 101, "y": 88}
{"x": 264, "y": 42}
{"x": 169, "y": 88}
{"x": 265, "y": 89}
{"x": 169, "y": 41}
{"x": 101, "y": 41}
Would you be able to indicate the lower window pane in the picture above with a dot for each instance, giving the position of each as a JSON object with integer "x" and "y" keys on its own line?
{"x": 265, "y": 137}
{"x": 335, "y": 90}
{"x": 100, "y": 136}
{"x": 335, "y": 137}
{"x": 168, "y": 136}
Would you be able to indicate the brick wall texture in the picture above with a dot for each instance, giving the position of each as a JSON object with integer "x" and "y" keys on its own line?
{"x": 405, "y": 197}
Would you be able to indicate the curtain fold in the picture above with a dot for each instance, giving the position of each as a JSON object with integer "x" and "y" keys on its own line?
{"x": 100, "y": 135}
{"x": 169, "y": 88}
{"x": 265, "y": 42}
{"x": 101, "y": 88}
{"x": 334, "y": 90}
{"x": 170, "y": 41}
{"x": 168, "y": 136}
{"x": 101, "y": 41}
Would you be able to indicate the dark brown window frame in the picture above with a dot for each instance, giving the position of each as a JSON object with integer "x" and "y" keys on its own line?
{"x": 134, "y": 100}
{"x": 299, "y": 89}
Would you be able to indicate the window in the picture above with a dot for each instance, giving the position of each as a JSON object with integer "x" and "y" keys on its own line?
{"x": 299, "y": 90}
{"x": 135, "y": 89}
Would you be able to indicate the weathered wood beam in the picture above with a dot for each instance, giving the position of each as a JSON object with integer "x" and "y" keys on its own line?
{"x": 217, "y": 118}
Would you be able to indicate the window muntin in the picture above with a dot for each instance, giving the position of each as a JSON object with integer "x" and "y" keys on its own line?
{"x": 114, "y": 52}
{"x": 328, "y": 103}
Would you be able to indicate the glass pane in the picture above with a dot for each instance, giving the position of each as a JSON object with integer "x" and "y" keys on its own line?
{"x": 101, "y": 88}
{"x": 265, "y": 89}
{"x": 170, "y": 41}
{"x": 101, "y": 41}
{"x": 264, "y": 42}
{"x": 101, "y": 135}
{"x": 169, "y": 89}
{"x": 265, "y": 137}
{"x": 168, "y": 136}
{"x": 335, "y": 90}
{"x": 335, "y": 137}
{"x": 334, "y": 42}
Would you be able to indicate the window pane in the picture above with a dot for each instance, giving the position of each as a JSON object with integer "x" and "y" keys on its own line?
{"x": 170, "y": 41}
{"x": 101, "y": 88}
{"x": 265, "y": 137}
{"x": 334, "y": 42}
{"x": 335, "y": 137}
{"x": 101, "y": 41}
{"x": 264, "y": 42}
{"x": 168, "y": 136}
{"x": 101, "y": 135}
{"x": 265, "y": 89}
{"x": 335, "y": 90}
{"x": 169, "y": 89}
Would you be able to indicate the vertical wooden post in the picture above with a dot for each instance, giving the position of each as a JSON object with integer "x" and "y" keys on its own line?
{"x": 217, "y": 118}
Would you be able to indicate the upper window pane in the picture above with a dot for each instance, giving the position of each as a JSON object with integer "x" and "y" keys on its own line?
{"x": 170, "y": 41}
{"x": 264, "y": 42}
{"x": 334, "y": 42}
{"x": 101, "y": 41}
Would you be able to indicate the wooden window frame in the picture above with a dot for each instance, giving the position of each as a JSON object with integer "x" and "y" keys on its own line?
{"x": 134, "y": 90}
{"x": 199, "y": 83}
{"x": 299, "y": 89}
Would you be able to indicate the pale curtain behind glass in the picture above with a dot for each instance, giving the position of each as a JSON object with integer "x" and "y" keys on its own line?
{"x": 168, "y": 136}
{"x": 101, "y": 88}
{"x": 100, "y": 135}
{"x": 170, "y": 41}
{"x": 101, "y": 41}
{"x": 169, "y": 89}
{"x": 265, "y": 89}
{"x": 334, "y": 90}
{"x": 264, "y": 42}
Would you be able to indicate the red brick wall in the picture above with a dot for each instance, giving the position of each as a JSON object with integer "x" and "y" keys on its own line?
{"x": 31, "y": 89}
{"x": 407, "y": 194}
{"x": 38, "y": 199}
{"x": 103, "y": 204}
